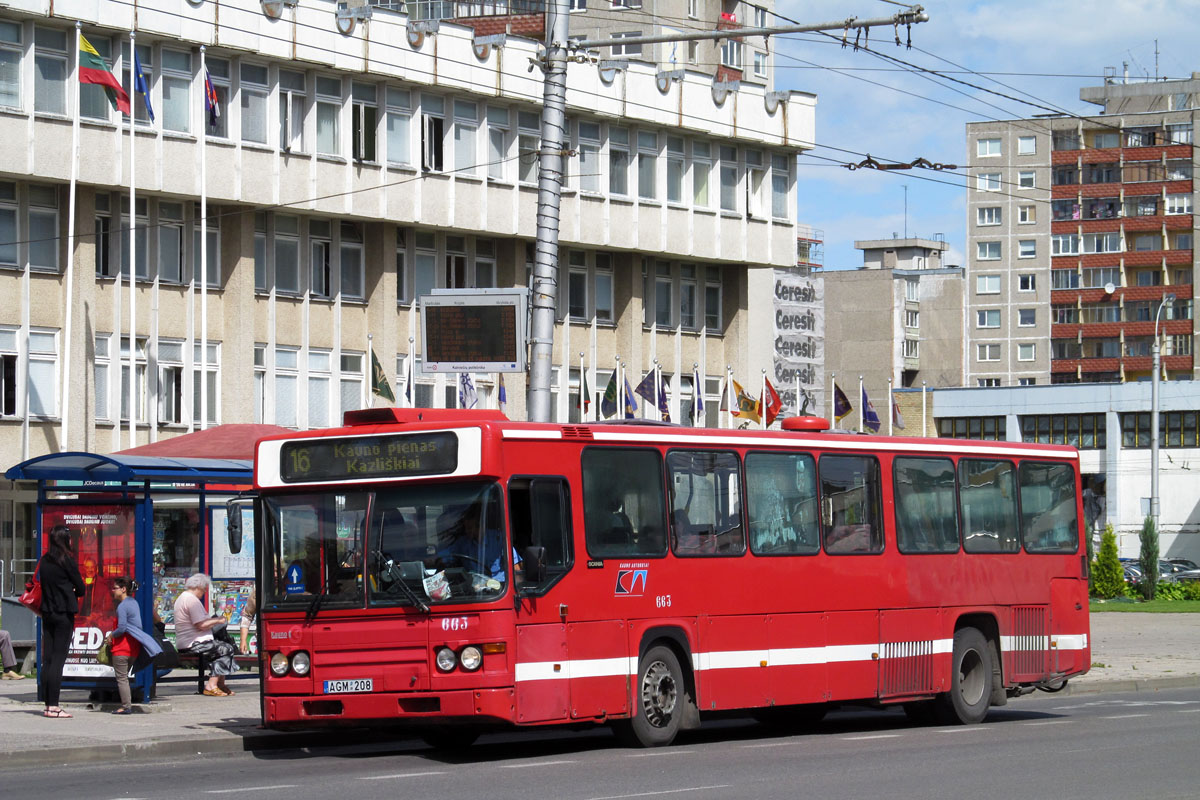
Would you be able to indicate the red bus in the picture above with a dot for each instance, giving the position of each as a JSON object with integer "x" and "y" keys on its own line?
{"x": 455, "y": 571}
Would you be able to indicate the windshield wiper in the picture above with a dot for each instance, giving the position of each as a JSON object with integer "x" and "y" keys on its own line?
{"x": 395, "y": 579}
{"x": 315, "y": 605}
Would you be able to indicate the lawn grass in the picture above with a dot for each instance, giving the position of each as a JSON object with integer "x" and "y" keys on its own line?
{"x": 1150, "y": 607}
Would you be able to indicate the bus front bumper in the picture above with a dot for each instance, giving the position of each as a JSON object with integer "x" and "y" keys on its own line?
{"x": 477, "y": 705}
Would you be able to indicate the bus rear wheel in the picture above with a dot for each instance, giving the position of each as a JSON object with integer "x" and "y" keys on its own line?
{"x": 659, "y": 701}
{"x": 970, "y": 680}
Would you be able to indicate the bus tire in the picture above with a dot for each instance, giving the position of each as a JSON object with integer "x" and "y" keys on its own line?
{"x": 660, "y": 700}
{"x": 970, "y": 680}
{"x": 450, "y": 738}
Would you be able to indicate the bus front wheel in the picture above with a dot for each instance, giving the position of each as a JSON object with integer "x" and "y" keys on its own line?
{"x": 970, "y": 680}
{"x": 660, "y": 697}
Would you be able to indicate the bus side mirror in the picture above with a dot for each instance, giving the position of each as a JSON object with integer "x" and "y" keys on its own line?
{"x": 233, "y": 526}
{"x": 533, "y": 564}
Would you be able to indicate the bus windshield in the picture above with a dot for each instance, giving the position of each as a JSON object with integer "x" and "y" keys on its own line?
{"x": 417, "y": 545}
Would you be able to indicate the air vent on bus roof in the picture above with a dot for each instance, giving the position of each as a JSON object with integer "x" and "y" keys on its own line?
{"x": 576, "y": 432}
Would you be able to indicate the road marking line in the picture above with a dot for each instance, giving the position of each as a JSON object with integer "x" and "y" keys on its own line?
{"x": 398, "y": 775}
{"x": 1050, "y": 722}
{"x": 770, "y": 744}
{"x": 1187, "y": 711}
{"x": 251, "y": 788}
{"x": 535, "y": 764}
{"x": 873, "y": 736}
{"x": 1125, "y": 716}
{"x": 655, "y": 794}
{"x": 964, "y": 729}
{"x": 656, "y": 753}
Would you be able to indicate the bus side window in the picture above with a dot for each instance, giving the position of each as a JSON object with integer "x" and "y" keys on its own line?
{"x": 987, "y": 494}
{"x": 539, "y": 510}
{"x": 850, "y": 492}
{"x": 926, "y": 512}
{"x": 624, "y": 511}
{"x": 1049, "y": 518}
{"x": 781, "y": 501}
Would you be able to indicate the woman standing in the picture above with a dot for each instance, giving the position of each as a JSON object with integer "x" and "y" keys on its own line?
{"x": 132, "y": 647}
{"x": 62, "y": 586}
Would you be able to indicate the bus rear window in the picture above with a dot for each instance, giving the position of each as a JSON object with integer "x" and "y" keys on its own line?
{"x": 1049, "y": 522}
{"x": 623, "y": 509}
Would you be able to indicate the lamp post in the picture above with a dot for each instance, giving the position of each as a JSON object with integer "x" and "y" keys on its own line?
{"x": 1154, "y": 351}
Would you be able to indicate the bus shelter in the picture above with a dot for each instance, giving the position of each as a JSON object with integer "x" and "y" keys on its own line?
{"x": 154, "y": 519}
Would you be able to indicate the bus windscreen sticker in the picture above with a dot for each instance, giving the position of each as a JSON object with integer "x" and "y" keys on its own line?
{"x": 384, "y": 456}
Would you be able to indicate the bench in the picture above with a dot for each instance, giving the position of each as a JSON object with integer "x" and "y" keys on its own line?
{"x": 200, "y": 663}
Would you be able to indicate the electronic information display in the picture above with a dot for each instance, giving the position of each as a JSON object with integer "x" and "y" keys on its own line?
{"x": 473, "y": 330}
{"x": 383, "y": 456}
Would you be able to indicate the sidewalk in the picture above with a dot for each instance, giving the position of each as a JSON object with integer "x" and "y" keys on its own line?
{"x": 1130, "y": 652}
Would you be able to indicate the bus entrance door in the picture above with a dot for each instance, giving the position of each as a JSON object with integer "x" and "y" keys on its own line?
{"x": 600, "y": 668}
{"x": 542, "y": 673}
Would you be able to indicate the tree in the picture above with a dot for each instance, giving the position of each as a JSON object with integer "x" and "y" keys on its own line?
{"x": 1108, "y": 579}
{"x": 1148, "y": 559}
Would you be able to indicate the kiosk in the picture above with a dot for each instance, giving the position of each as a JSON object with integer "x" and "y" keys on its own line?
{"x": 154, "y": 519}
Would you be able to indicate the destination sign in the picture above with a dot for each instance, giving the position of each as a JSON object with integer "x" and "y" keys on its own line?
{"x": 384, "y": 456}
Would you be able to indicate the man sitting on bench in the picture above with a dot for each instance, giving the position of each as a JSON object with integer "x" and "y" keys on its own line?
{"x": 194, "y": 634}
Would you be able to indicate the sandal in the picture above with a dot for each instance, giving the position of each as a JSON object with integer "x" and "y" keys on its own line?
{"x": 123, "y": 711}
{"x": 56, "y": 713}
{"x": 215, "y": 693}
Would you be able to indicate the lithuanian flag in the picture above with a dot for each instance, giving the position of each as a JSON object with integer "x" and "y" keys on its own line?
{"x": 92, "y": 69}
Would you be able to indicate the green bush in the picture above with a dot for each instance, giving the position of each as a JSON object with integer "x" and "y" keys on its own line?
{"x": 1108, "y": 579}
{"x": 1148, "y": 558}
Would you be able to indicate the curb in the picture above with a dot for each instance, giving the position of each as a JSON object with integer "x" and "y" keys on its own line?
{"x": 261, "y": 741}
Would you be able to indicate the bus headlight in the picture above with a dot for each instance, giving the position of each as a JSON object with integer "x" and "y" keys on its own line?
{"x": 279, "y": 664}
{"x": 470, "y": 658}
{"x": 446, "y": 660}
{"x": 301, "y": 663}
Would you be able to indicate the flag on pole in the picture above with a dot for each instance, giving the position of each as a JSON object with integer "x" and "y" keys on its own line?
{"x": 585, "y": 396}
{"x": 631, "y": 405}
{"x": 647, "y": 389}
{"x": 747, "y": 406}
{"x": 467, "y": 396}
{"x": 408, "y": 382}
{"x": 379, "y": 380}
{"x": 92, "y": 69}
{"x": 608, "y": 403}
{"x": 139, "y": 83}
{"x": 841, "y": 403}
{"x": 772, "y": 402}
{"x": 870, "y": 418}
{"x": 503, "y": 394}
{"x": 897, "y": 420}
{"x": 663, "y": 409}
{"x": 698, "y": 397}
{"x": 211, "y": 101}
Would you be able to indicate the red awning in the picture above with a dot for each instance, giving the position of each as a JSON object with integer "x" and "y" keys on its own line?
{"x": 221, "y": 441}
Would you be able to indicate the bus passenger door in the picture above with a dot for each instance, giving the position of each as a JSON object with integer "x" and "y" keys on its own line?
{"x": 600, "y": 668}
{"x": 852, "y": 654}
{"x": 541, "y": 673}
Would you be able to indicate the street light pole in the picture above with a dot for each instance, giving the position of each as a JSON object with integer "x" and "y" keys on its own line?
{"x": 1154, "y": 351}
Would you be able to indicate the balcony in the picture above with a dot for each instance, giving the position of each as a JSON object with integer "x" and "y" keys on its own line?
{"x": 520, "y": 17}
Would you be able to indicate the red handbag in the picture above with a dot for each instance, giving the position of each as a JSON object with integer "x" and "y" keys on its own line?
{"x": 31, "y": 598}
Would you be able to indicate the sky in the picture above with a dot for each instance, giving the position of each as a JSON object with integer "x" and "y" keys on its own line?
{"x": 869, "y": 112}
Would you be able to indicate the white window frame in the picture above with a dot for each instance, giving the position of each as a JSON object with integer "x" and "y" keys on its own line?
{"x": 1026, "y": 145}
{"x": 399, "y": 126}
{"x": 1179, "y": 204}
{"x": 212, "y": 369}
{"x": 988, "y": 251}
{"x": 1026, "y": 351}
{"x": 625, "y": 50}
{"x": 987, "y": 351}
{"x": 351, "y": 381}
{"x": 912, "y": 348}
{"x": 1027, "y": 282}
{"x": 466, "y": 137}
{"x": 12, "y": 53}
{"x": 988, "y": 215}
{"x": 351, "y": 263}
{"x": 987, "y": 318}
{"x": 326, "y": 104}
{"x": 1026, "y": 215}
{"x": 253, "y": 97}
{"x": 987, "y": 182}
{"x": 987, "y": 284}
{"x": 219, "y": 74}
{"x": 760, "y": 64}
{"x": 647, "y": 165}
{"x": 499, "y": 138}
{"x": 676, "y": 170}
{"x": 175, "y": 81}
{"x": 168, "y": 357}
{"x": 733, "y": 53}
{"x": 364, "y": 124}
{"x": 1027, "y": 179}
{"x": 1026, "y": 248}
{"x": 987, "y": 148}
{"x": 319, "y": 388}
{"x": 529, "y": 142}
{"x": 618, "y": 161}
{"x": 590, "y": 167}
{"x": 1021, "y": 317}
{"x": 728, "y": 178}
{"x": 701, "y": 169}
{"x": 1064, "y": 244}
{"x": 50, "y": 95}
{"x": 93, "y": 95}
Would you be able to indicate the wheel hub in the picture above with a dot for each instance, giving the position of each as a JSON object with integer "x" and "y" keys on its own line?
{"x": 659, "y": 694}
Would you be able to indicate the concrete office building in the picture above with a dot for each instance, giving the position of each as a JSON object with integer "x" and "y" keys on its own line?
{"x": 347, "y": 173}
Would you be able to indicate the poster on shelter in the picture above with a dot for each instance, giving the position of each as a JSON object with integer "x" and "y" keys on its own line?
{"x": 103, "y": 539}
{"x": 226, "y": 564}
{"x": 799, "y": 342}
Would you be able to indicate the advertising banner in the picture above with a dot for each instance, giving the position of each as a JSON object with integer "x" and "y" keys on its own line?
{"x": 799, "y": 342}
{"x": 104, "y": 543}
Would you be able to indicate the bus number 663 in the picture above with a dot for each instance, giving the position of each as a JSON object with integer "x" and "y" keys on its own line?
{"x": 454, "y": 623}
{"x": 663, "y": 601}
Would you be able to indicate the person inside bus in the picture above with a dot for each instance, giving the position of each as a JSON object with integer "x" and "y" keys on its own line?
{"x": 478, "y": 551}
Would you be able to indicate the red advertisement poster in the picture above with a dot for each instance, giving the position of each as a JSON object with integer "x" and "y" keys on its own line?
{"x": 103, "y": 539}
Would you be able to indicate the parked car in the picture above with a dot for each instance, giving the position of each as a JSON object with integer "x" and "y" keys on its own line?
{"x": 1188, "y": 575}
{"x": 1183, "y": 564}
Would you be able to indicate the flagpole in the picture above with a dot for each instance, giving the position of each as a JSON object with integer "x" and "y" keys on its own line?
{"x": 696, "y": 394}
{"x": 132, "y": 244}
{"x": 583, "y": 407}
{"x": 729, "y": 394}
{"x": 412, "y": 374}
{"x": 891, "y": 410}
{"x": 762, "y": 402}
{"x": 620, "y": 390}
{"x": 204, "y": 250}
{"x": 923, "y": 431}
{"x": 798, "y": 395}
{"x": 70, "y": 274}
{"x": 832, "y": 400}
{"x": 657, "y": 389}
{"x": 371, "y": 365}
{"x": 862, "y": 407}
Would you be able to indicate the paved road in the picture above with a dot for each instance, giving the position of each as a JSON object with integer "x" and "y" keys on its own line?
{"x": 1089, "y": 747}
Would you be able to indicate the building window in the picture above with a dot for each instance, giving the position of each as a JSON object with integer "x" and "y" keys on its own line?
{"x": 986, "y": 148}
{"x": 577, "y": 285}
{"x": 912, "y": 348}
{"x": 912, "y": 290}
{"x": 176, "y": 91}
{"x": 1027, "y": 282}
{"x": 987, "y": 251}
{"x": 252, "y": 91}
{"x": 1026, "y": 215}
{"x": 218, "y": 73}
{"x": 10, "y": 67}
{"x": 1025, "y": 179}
{"x": 1064, "y": 244}
{"x": 988, "y": 215}
{"x": 987, "y": 318}
{"x": 987, "y": 284}
{"x": 988, "y": 352}
{"x": 687, "y": 296}
{"x": 712, "y": 298}
{"x": 781, "y": 182}
{"x": 1026, "y": 381}
{"x": 433, "y": 122}
{"x": 169, "y": 356}
{"x": 676, "y": 166}
{"x": 618, "y": 160}
{"x": 329, "y": 109}
{"x": 988, "y": 383}
{"x": 589, "y": 157}
{"x": 287, "y": 380}
{"x": 985, "y": 428}
{"x": 623, "y": 50}
{"x": 466, "y": 126}
{"x": 365, "y": 121}
{"x": 210, "y": 373}
{"x": 1085, "y": 431}
{"x": 139, "y": 388}
{"x": 320, "y": 380}
{"x": 50, "y": 71}
{"x": 1026, "y": 317}
{"x": 529, "y": 139}
{"x": 351, "y": 382}
{"x": 350, "y": 250}
{"x": 399, "y": 123}
{"x": 145, "y": 55}
{"x": 1102, "y": 242}
{"x": 664, "y": 295}
{"x": 731, "y": 54}
{"x": 101, "y": 366}
{"x": 1026, "y": 145}
{"x": 693, "y": 8}
{"x": 912, "y": 319}
{"x": 1026, "y": 351}
{"x": 647, "y": 169}
{"x": 604, "y": 287}
{"x": 287, "y": 254}
{"x": 729, "y": 178}
{"x": 701, "y": 167}
{"x": 212, "y": 274}
{"x": 754, "y": 181}
{"x": 1179, "y": 204}
{"x": 577, "y": 5}
{"x": 320, "y": 247}
{"x": 760, "y": 65}
{"x": 1027, "y": 248}
{"x": 170, "y": 242}
{"x": 498, "y": 131}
